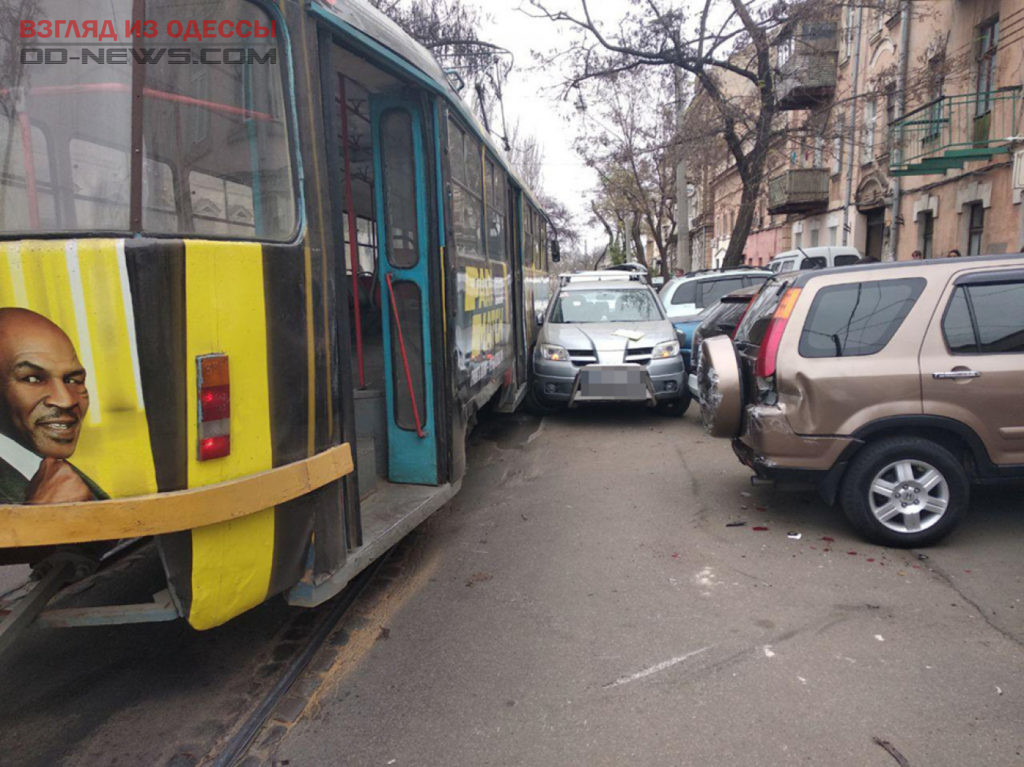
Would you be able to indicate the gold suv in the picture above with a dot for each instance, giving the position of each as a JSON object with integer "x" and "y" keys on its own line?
{"x": 892, "y": 387}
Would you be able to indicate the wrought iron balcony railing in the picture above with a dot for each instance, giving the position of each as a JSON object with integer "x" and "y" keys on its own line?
{"x": 953, "y": 130}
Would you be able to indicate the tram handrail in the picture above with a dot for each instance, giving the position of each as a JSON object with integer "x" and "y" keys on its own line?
{"x": 405, "y": 360}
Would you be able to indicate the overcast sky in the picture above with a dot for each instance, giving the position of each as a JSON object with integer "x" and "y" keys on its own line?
{"x": 532, "y": 97}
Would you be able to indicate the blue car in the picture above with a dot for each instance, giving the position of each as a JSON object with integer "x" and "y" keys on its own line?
{"x": 687, "y": 298}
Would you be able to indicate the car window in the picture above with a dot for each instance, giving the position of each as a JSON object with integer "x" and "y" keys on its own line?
{"x": 786, "y": 266}
{"x": 814, "y": 262}
{"x": 857, "y": 319}
{"x": 999, "y": 317}
{"x": 755, "y": 324}
{"x": 712, "y": 290}
{"x": 754, "y": 279}
{"x": 686, "y": 293}
{"x": 599, "y": 305}
{"x": 846, "y": 259}
{"x": 957, "y": 326}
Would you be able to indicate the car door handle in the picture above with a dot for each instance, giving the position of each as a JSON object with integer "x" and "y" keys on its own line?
{"x": 957, "y": 374}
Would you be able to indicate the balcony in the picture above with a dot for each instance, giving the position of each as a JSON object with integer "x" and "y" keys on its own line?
{"x": 950, "y": 131}
{"x": 807, "y": 66}
{"x": 800, "y": 190}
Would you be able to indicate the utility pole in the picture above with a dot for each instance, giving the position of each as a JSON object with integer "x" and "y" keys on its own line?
{"x": 684, "y": 259}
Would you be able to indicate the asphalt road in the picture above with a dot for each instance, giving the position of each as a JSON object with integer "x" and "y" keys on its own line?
{"x": 583, "y": 600}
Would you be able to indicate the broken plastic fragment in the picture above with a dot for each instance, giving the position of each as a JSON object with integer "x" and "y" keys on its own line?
{"x": 794, "y": 536}
{"x": 735, "y": 524}
{"x": 759, "y": 529}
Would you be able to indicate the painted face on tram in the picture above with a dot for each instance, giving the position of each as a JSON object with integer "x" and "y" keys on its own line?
{"x": 42, "y": 384}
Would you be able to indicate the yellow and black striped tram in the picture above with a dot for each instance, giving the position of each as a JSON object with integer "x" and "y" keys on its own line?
{"x": 259, "y": 267}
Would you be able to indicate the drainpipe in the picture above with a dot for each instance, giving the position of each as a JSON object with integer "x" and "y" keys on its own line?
{"x": 901, "y": 103}
{"x": 852, "y": 127}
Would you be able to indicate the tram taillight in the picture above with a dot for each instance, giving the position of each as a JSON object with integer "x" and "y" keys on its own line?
{"x": 214, "y": 406}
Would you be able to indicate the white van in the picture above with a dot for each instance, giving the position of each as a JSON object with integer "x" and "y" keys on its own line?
{"x": 818, "y": 257}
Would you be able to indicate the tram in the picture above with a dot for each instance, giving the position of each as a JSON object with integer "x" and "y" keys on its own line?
{"x": 259, "y": 268}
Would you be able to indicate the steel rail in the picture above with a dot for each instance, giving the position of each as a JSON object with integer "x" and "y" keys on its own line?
{"x": 237, "y": 746}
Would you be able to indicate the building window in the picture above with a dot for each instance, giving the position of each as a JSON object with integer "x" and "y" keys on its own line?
{"x": 988, "y": 40}
{"x": 870, "y": 110}
{"x": 926, "y": 224}
{"x": 814, "y": 238}
{"x": 833, "y": 235}
{"x": 890, "y": 115}
{"x": 837, "y": 148}
{"x": 977, "y": 228}
{"x": 936, "y": 82}
{"x": 848, "y": 31}
{"x": 798, "y": 239}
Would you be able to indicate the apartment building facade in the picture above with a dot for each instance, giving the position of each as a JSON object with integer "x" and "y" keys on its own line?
{"x": 904, "y": 132}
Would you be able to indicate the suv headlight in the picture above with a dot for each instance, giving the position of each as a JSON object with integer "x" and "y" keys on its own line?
{"x": 665, "y": 349}
{"x": 554, "y": 353}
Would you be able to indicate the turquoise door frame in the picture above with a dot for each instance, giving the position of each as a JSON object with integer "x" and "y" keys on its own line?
{"x": 412, "y": 452}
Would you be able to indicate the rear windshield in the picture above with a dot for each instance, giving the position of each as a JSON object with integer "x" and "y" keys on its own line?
{"x": 605, "y": 306}
{"x": 857, "y": 319}
{"x": 847, "y": 259}
{"x": 751, "y": 331}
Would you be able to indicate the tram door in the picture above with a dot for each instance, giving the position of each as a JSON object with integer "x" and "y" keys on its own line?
{"x": 403, "y": 219}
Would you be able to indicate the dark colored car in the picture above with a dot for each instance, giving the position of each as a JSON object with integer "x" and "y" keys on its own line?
{"x": 718, "y": 320}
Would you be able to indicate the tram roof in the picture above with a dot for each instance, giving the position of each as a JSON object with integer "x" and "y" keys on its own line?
{"x": 369, "y": 22}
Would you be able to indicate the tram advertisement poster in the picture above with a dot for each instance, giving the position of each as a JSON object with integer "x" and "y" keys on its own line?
{"x": 71, "y": 404}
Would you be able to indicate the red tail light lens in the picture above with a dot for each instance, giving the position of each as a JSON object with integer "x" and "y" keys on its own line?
{"x": 214, "y": 447}
{"x": 214, "y": 411}
{"x": 768, "y": 354}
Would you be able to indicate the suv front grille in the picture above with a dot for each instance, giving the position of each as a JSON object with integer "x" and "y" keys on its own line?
{"x": 639, "y": 355}
{"x": 582, "y": 357}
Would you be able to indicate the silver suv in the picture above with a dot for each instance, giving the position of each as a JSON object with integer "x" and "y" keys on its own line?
{"x": 606, "y": 339}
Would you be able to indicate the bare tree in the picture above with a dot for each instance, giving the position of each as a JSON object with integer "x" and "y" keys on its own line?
{"x": 630, "y": 143}
{"x": 728, "y": 42}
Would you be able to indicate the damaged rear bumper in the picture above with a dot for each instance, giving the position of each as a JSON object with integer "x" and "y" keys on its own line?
{"x": 769, "y": 446}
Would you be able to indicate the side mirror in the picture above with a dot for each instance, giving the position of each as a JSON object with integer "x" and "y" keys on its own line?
{"x": 540, "y": 318}
{"x": 556, "y": 251}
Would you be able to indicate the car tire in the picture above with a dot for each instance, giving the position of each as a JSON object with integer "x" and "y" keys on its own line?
{"x": 905, "y": 492}
{"x": 675, "y": 407}
{"x": 538, "y": 405}
{"x": 721, "y": 387}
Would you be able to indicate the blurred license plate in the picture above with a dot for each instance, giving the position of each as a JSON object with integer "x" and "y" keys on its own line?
{"x": 612, "y": 382}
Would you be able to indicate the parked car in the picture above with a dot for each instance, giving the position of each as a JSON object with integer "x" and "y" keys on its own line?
{"x": 606, "y": 340}
{"x": 687, "y": 298}
{"x": 816, "y": 257}
{"x": 718, "y": 319}
{"x": 891, "y": 386}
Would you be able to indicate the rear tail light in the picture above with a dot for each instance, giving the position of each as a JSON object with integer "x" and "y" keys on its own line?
{"x": 214, "y": 398}
{"x": 768, "y": 354}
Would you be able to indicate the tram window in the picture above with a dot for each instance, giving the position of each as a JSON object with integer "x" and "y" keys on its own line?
{"x": 15, "y": 213}
{"x": 410, "y": 317}
{"x": 99, "y": 180}
{"x": 467, "y": 193}
{"x": 221, "y": 207}
{"x": 203, "y": 119}
{"x": 366, "y": 238}
{"x": 496, "y": 213}
{"x": 457, "y": 151}
{"x": 399, "y": 180}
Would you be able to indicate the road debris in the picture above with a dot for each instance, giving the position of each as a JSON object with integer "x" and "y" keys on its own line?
{"x": 735, "y": 524}
{"x": 893, "y": 752}
{"x": 794, "y": 536}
